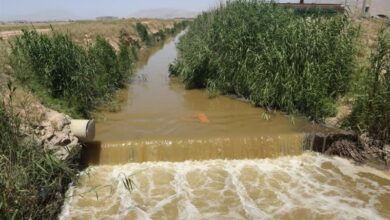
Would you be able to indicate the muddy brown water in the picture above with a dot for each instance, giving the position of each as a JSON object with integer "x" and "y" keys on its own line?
{"x": 192, "y": 157}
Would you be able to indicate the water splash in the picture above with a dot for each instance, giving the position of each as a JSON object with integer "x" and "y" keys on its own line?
{"x": 309, "y": 186}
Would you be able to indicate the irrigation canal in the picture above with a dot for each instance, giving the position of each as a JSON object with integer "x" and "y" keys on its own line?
{"x": 192, "y": 157}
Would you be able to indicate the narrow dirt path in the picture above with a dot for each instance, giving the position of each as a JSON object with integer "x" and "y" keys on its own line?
{"x": 8, "y": 34}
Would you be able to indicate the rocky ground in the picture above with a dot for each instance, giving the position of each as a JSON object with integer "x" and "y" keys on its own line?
{"x": 360, "y": 148}
{"x": 48, "y": 127}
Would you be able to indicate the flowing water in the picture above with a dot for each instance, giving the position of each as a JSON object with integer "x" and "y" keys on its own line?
{"x": 172, "y": 153}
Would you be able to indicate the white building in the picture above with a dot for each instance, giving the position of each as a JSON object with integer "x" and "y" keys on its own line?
{"x": 376, "y": 7}
{"x": 380, "y": 7}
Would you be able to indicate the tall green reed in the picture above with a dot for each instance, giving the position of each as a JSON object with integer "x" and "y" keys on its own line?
{"x": 81, "y": 78}
{"x": 371, "y": 111}
{"x": 273, "y": 56}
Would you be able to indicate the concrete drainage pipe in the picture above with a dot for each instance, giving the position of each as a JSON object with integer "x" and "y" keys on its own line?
{"x": 83, "y": 129}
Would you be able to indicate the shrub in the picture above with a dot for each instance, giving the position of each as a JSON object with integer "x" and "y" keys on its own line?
{"x": 371, "y": 111}
{"x": 151, "y": 39}
{"x": 103, "y": 56}
{"x": 273, "y": 56}
{"x": 142, "y": 31}
{"x": 32, "y": 180}
{"x": 80, "y": 78}
{"x": 160, "y": 35}
{"x": 127, "y": 44}
{"x": 126, "y": 60}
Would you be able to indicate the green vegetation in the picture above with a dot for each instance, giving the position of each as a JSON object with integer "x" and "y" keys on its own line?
{"x": 178, "y": 26}
{"x": 142, "y": 31}
{"x": 3, "y": 57}
{"x": 60, "y": 71}
{"x": 32, "y": 180}
{"x": 275, "y": 57}
{"x": 371, "y": 111}
{"x": 160, "y": 35}
{"x": 73, "y": 78}
{"x": 150, "y": 39}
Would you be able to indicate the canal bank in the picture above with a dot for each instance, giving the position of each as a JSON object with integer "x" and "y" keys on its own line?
{"x": 129, "y": 176}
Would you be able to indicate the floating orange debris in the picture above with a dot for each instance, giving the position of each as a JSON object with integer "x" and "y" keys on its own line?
{"x": 203, "y": 118}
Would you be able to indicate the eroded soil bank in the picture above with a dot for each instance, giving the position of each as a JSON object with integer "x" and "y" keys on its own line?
{"x": 48, "y": 127}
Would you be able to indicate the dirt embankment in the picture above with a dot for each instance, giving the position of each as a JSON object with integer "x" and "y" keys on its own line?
{"x": 5, "y": 35}
{"x": 48, "y": 127}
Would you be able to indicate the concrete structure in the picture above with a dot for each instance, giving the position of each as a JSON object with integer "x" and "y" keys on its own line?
{"x": 375, "y": 7}
{"x": 83, "y": 129}
{"x": 307, "y": 6}
{"x": 380, "y": 7}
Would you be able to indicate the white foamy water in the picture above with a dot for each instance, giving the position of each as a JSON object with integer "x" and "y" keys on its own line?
{"x": 309, "y": 186}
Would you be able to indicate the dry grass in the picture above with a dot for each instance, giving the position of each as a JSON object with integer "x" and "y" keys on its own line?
{"x": 368, "y": 37}
{"x": 371, "y": 110}
{"x": 83, "y": 31}
{"x": 366, "y": 43}
{"x": 13, "y": 26}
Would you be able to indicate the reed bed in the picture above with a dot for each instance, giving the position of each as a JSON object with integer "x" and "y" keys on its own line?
{"x": 78, "y": 78}
{"x": 371, "y": 110}
{"x": 273, "y": 56}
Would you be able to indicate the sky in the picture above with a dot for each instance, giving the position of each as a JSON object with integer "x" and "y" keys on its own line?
{"x": 40, "y": 10}
{"x": 84, "y": 9}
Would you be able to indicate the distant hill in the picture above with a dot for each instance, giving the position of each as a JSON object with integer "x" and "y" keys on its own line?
{"x": 164, "y": 13}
